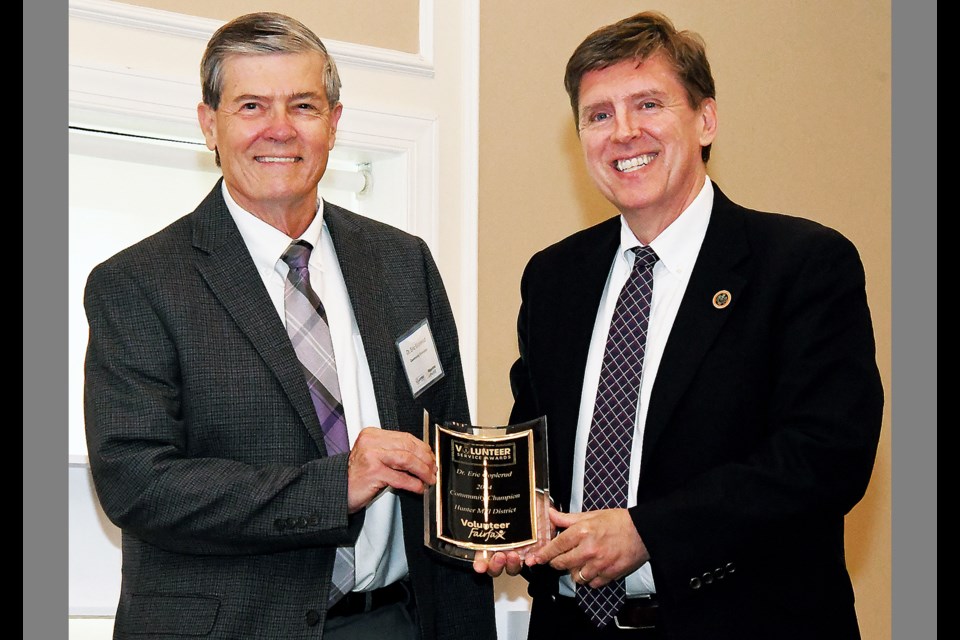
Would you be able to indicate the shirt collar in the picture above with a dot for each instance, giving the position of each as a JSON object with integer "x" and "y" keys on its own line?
{"x": 677, "y": 246}
{"x": 266, "y": 243}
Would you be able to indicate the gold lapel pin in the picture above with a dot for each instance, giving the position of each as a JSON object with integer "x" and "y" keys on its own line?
{"x": 721, "y": 299}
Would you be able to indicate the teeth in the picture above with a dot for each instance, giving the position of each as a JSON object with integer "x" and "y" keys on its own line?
{"x": 632, "y": 164}
{"x": 275, "y": 159}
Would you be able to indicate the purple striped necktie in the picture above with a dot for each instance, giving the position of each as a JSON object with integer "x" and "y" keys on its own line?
{"x": 310, "y": 334}
{"x": 607, "y": 461}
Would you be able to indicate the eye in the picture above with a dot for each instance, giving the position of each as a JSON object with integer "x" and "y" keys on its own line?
{"x": 595, "y": 117}
{"x": 249, "y": 106}
{"x": 647, "y": 105}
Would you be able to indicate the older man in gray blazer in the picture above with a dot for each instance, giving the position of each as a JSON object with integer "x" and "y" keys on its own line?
{"x": 207, "y": 430}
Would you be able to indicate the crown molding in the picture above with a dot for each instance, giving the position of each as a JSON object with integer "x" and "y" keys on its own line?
{"x": 193, "y": 27}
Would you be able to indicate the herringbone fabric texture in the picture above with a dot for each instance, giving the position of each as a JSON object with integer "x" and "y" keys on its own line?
{"x": 607, "y": 462}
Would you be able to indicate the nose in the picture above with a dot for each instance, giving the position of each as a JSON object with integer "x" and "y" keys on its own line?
{"x": 280, "y": 126}
{"x": 626, "y": 126}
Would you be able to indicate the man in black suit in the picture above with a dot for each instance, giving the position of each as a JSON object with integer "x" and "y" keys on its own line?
{"x": 753, "y": 427}
{"x": 208, "y": 434}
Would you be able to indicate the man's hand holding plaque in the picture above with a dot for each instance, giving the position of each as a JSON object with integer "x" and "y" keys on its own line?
{"x": 495, "y": 563}
{"x": 491, "y": 497}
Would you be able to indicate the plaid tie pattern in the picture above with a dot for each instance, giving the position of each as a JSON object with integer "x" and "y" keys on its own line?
{"x": 310, "y": 334}
{"x": 607, "y": 462}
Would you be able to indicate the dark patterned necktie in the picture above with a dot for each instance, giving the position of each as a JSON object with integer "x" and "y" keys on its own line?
{"x": 607, "y": 461}
{"x": 310, "y": 334}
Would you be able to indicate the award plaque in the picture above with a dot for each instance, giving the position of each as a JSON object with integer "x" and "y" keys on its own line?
{"x": 491, "y": 492}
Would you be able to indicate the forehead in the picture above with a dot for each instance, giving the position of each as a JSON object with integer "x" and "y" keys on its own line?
{"x": 627, "y": 78}
{"x": 273, "y": 74}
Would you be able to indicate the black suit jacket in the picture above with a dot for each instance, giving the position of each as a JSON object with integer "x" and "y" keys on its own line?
{"x": 762, "y": 427}
{"x": 206, "y": 450}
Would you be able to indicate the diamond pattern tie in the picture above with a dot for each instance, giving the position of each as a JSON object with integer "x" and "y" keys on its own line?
{"x": 310, "y": 334}
{"x": 607, "y": 462}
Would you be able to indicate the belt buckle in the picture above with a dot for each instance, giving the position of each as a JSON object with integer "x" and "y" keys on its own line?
{"x": 627, "y": 627}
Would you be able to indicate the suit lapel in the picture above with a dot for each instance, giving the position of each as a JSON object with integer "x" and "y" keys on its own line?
{"x": 229, "y": 271}
{"x": 583, "y": 277}
{"x": 698, "y": 321}
{"x": 364, "y": 277}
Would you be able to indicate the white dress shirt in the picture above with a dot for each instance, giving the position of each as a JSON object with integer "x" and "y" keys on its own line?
{"x": 677, "y": 248}
{"x": 380, "y": 555}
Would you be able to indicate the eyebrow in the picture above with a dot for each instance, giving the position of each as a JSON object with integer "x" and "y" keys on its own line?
{"x": 633, "y": 97}
{"x": 306, "y": 95}
{"x": 303, "y": 95}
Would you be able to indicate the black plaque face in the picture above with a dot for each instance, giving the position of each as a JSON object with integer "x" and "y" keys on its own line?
{"x": 485, "y": 497}
{"x": 492, "y": 491}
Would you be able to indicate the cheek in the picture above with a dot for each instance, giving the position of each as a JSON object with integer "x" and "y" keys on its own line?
{"x": 593, "y": 154}
{"x": 239, "y": 135}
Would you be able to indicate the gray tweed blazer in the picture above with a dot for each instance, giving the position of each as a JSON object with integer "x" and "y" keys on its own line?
{"x": 204, "y": 446}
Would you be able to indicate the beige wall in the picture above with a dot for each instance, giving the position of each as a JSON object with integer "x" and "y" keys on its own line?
{"x": 804, "y": 106}
{"x": 389, "y": 24}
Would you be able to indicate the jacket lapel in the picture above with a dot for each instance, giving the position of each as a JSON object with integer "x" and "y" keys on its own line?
{"x": 698, "y": 321}
{"x": 364, "y": 276}
{"x": 583, "y": 277}
{"x": 229, "y": 271}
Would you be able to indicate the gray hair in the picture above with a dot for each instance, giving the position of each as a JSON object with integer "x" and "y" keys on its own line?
{"x": 258, "y": 34}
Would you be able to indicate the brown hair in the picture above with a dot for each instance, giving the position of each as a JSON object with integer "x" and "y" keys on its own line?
{"x": 637, "y": 38}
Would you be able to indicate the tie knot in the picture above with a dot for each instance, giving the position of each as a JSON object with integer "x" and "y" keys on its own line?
{"x": 645, "y": 256}
{"x": 297, "y": 254}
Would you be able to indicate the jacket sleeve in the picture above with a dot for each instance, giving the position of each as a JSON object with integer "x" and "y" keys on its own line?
{"x": 141, "y": 427}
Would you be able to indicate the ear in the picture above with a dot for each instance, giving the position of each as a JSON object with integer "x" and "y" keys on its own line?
{"x": 335, "y": 114}
{"x": 708, "y": 121}
{"x": 207, "y": 117}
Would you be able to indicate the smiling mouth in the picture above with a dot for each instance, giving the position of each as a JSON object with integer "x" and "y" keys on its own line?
{"x": 632, "y": 164}
{"x": 277, "y": 159}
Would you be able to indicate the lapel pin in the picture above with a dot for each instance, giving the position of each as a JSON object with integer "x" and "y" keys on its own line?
{"x": 721, "y": 299}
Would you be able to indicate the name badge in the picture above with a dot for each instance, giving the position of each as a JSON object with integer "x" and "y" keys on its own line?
{"x": 418, "y": 352}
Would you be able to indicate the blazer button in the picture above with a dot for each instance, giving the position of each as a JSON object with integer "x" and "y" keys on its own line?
{"x": 314, "y": 520}
{"x": 718, "y": 573}
{"x": 694, "y": 583}
{"x": 707, "y": 578}
{"x": 291, "y": 522}
{"x": 730, "y": 567}
{"x": 313, "y": 617}
{"x": 302, "y": 522}
{"x": 279, "y": 524}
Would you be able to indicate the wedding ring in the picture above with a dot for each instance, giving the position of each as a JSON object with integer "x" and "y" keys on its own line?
{"x": 582, "y": 579}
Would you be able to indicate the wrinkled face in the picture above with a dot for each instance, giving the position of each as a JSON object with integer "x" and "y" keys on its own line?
{"x": 273, "y": 130}
{"x": 641, "y": 139}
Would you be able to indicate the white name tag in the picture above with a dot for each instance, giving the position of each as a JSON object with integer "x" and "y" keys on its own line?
{"x": 419, "y": 355}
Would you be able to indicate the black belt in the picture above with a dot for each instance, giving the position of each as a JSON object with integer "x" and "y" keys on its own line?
{"x": 365, "y": 601}
{"x": 638, "y": 613}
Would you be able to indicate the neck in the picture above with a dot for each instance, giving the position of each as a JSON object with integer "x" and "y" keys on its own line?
{"x": 648, "y": 223}
{"x": 646, "y": 227}
{"x": 290, "y": 218}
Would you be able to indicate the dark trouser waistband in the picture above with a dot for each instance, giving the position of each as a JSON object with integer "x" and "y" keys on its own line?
{"x": 365, "y": 601}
